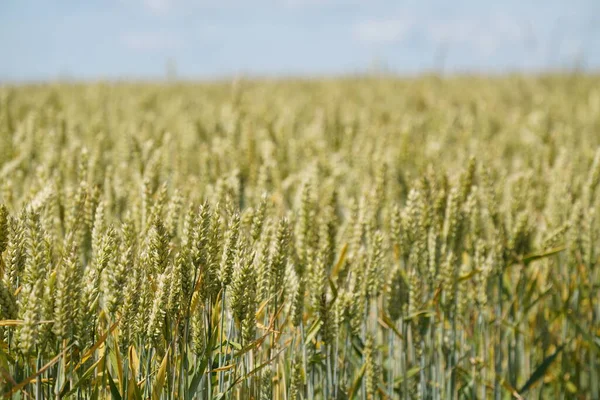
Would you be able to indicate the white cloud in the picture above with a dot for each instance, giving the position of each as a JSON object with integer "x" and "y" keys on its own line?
{"x": 161, "y": 7}
{"x": 382, "y": 31}
{"x": 483, "y": 35}
{"x": 317, "y": 3}
{"x": 151, "y": 41}
{"x": 158, "y": 6}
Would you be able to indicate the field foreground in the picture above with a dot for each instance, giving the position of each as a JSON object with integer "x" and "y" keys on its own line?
{"x": 337, "y": 239}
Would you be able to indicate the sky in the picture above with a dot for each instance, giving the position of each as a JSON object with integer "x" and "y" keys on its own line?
{"x": 205, "y": 39}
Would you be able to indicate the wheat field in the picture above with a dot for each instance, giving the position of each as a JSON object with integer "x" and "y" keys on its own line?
{"x": 358, "y": 238}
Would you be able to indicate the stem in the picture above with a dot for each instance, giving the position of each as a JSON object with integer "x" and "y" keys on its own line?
{"x": 392, "y": 371}
{"x": 328, "y": 385}
{"x": 498, "y": 346}
{"x": 230, "y": 330}
{"x": 221, "y": 339}
{"x": 405, "y": 358}
{"x": 364, "y": 339}
{"x": 148, "y": 386}
{"x": 208, "y": 351}
{"x": 125, "y": 386}
{"x": 38, "y": 380}
{"x": 304, "y": 360}
{"x": 335, "y": 366}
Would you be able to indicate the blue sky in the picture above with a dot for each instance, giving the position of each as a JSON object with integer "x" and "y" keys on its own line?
{"x": 106, "y": 39}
